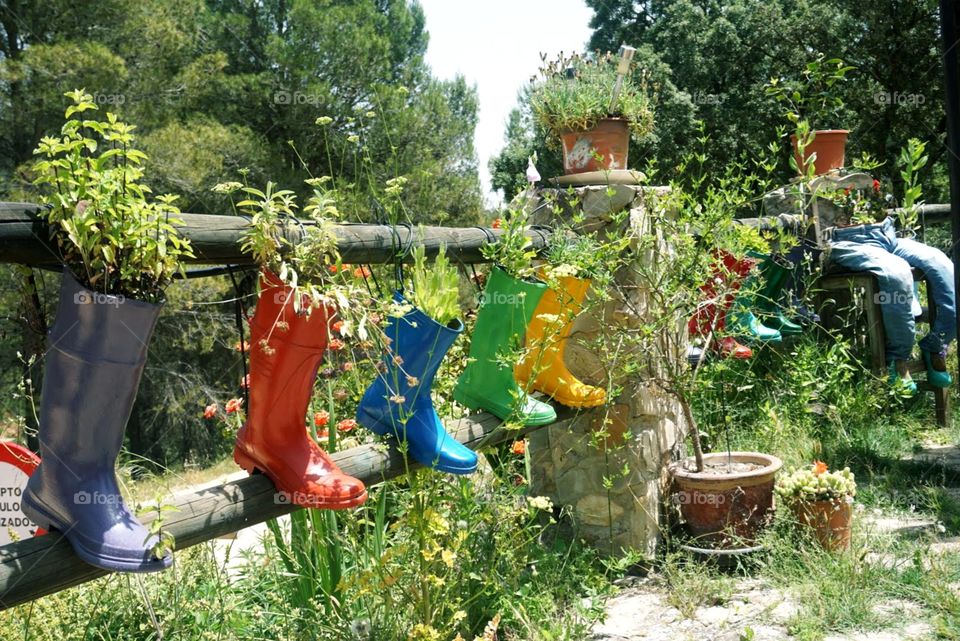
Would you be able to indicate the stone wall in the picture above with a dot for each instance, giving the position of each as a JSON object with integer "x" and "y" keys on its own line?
{"x": 611, "y": 510}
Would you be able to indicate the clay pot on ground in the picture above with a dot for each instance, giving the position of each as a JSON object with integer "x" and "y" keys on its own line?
{"x": 828, "y": 520}
{"x": 830, "y": 147}
{"x": 728, "y": 504}
{"x": 603, "y": 148}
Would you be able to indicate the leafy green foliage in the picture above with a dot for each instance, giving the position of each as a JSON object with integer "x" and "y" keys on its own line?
{"x": 814, "y": 95}
{"x": 577, "y": 92}
{"x": 110, "y": 235}
{"x": 435, "y": 287}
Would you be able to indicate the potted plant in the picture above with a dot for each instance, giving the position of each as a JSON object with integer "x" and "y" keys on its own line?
{"x": 509, "y": 298}
{"x": 290, "y": 331}
{"x": 418, "y": 336}
{"x": 593, "y": 105}
{"x": 822, "y": 501}
{"x": 120, "y": 251}
{"x": 811, "y": 101}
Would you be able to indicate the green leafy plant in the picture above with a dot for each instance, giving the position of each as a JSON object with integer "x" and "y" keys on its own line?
{"x": 575, "y": 93}
{"x": 512, "y": 251}
{"x": 112, "y": 237}
{"x": 812, "y": 96}
{"x": 913, "y": 158}
{"x": 817, "y": 483}
{"x": 435, "y": 287}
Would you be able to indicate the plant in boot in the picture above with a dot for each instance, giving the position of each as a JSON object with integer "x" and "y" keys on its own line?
{"x": 120, "y": 251}
{"x": 398, "y": 402}
{"x": 774, "y": 273}
{"x": 506, "y": 308}
{"x": 741, "y": 321}
{"x": 289, "y": 333}
{"x": 573, "y": 260}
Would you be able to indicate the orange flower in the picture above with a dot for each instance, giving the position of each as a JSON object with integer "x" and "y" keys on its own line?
{"x": 496, "y": 223}
{"x": 361, "y": 272}
{"x": 819, "y": 467}
{"x": 336, "y": 344}
{"x": 210, "y": 410}
{"x": 321, "y": 418}
{"x": 333, "y": 269}
{"x": 519, "y": 447}
{"x": 338, "y": 326}
{"x": 347, "y": 425}
{"x": 348, "y": 366}
{"x": 323, "y": 434}
{"x": 233, "y": 405}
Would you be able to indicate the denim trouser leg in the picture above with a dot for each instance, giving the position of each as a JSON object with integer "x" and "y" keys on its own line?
{"x": 939, "y": 272}
{"x": 895, "y": 280}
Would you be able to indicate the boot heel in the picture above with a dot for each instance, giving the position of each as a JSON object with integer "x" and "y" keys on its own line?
{"x": 40, "y": 518}
{"x": 245, "y": 462}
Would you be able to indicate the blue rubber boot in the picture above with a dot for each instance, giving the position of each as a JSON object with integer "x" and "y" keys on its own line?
{"x": 98, "y": 347}
{"x": 398, "y": 401}
{"x": 937, "y": 374}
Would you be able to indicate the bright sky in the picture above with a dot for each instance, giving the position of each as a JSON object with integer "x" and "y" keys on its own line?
{"x": 496, "y": 44}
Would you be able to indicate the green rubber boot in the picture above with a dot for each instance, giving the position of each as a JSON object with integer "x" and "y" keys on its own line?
{"x": 774, "y": 275}
{"x": 899, "y": 378}
{"x": 488, "y": 383}
{"x": 741, "y": 321}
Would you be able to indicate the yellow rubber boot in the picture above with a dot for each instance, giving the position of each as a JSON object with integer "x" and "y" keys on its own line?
{"x": 546, "y": 341}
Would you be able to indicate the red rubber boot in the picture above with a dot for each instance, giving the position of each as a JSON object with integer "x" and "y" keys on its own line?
{"x": 285, "y": 353}
{"x": 711, "y": 316}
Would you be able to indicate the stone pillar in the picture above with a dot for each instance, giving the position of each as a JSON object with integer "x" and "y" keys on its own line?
{"x": 613, "y": 489}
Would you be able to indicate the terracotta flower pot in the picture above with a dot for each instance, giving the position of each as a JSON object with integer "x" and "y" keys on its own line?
{"x": 726, "y": 509}
{"x": 830, "y": 147}
{"x": 603, "y": 148}
{"x": 829, "y": 520}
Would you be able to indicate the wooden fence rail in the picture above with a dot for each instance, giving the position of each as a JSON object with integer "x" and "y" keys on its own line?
{"x": 217, "y": 239}
{"x": 32, "y": 568}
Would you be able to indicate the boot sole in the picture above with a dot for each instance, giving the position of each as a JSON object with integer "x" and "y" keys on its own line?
{"x": 473, "y": 402}
{"x": 382, "y": 429}
{"x": 44, "y": 519}
{"x": 251, "y": 466}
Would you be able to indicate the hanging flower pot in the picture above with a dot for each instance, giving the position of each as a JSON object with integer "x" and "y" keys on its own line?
{"x": 602, "y": 148}
{"x": 728, "y": 503}
{"x": 829, "y": 145}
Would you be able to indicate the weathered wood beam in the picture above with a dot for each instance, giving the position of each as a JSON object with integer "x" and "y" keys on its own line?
{"x": 216, "y": 239}
{"x": 36, "y": 567}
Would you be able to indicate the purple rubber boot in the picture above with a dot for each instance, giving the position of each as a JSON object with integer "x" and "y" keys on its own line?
{"x": 97, "y": 350}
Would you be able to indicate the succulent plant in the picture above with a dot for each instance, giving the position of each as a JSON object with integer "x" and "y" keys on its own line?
{"x": 817, "y": 483}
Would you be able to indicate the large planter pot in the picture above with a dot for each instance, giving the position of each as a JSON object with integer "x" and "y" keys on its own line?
{"x": 603, "y": 148}
{"x": 829, "y": 521}
{"x": 725, "y": 507}
{"x": 830, "y": 147}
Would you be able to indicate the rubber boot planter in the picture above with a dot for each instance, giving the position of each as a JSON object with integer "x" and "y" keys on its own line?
{"x": 487, "y": 383}
{"x": 98, "y": 347}
{"x": 546, "y": 344}
{"x": 398, "y": 401}
{"x": 286, "y": 348}
{"x": 741, "y": 321}
{"x": 775, "y": 272}
{"x": 711, "y": 315}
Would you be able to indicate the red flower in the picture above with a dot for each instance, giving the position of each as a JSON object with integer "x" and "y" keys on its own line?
{"x": 347, "y": 425}
{"x": 496, "y": 223}
{"x": 321, "y": 418}
{"x": 210, "y": 410}
{"x": 876, "y": 185}
{"x": 361, "y": 272}
{"x": 323, "y": 434}
{"x": 233, "y": 405}
{"x": 338, "y": 326}
{"x": 519, "y": 447}
{"x": 336, "y": 344}
{"x": 333, "y": 269}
